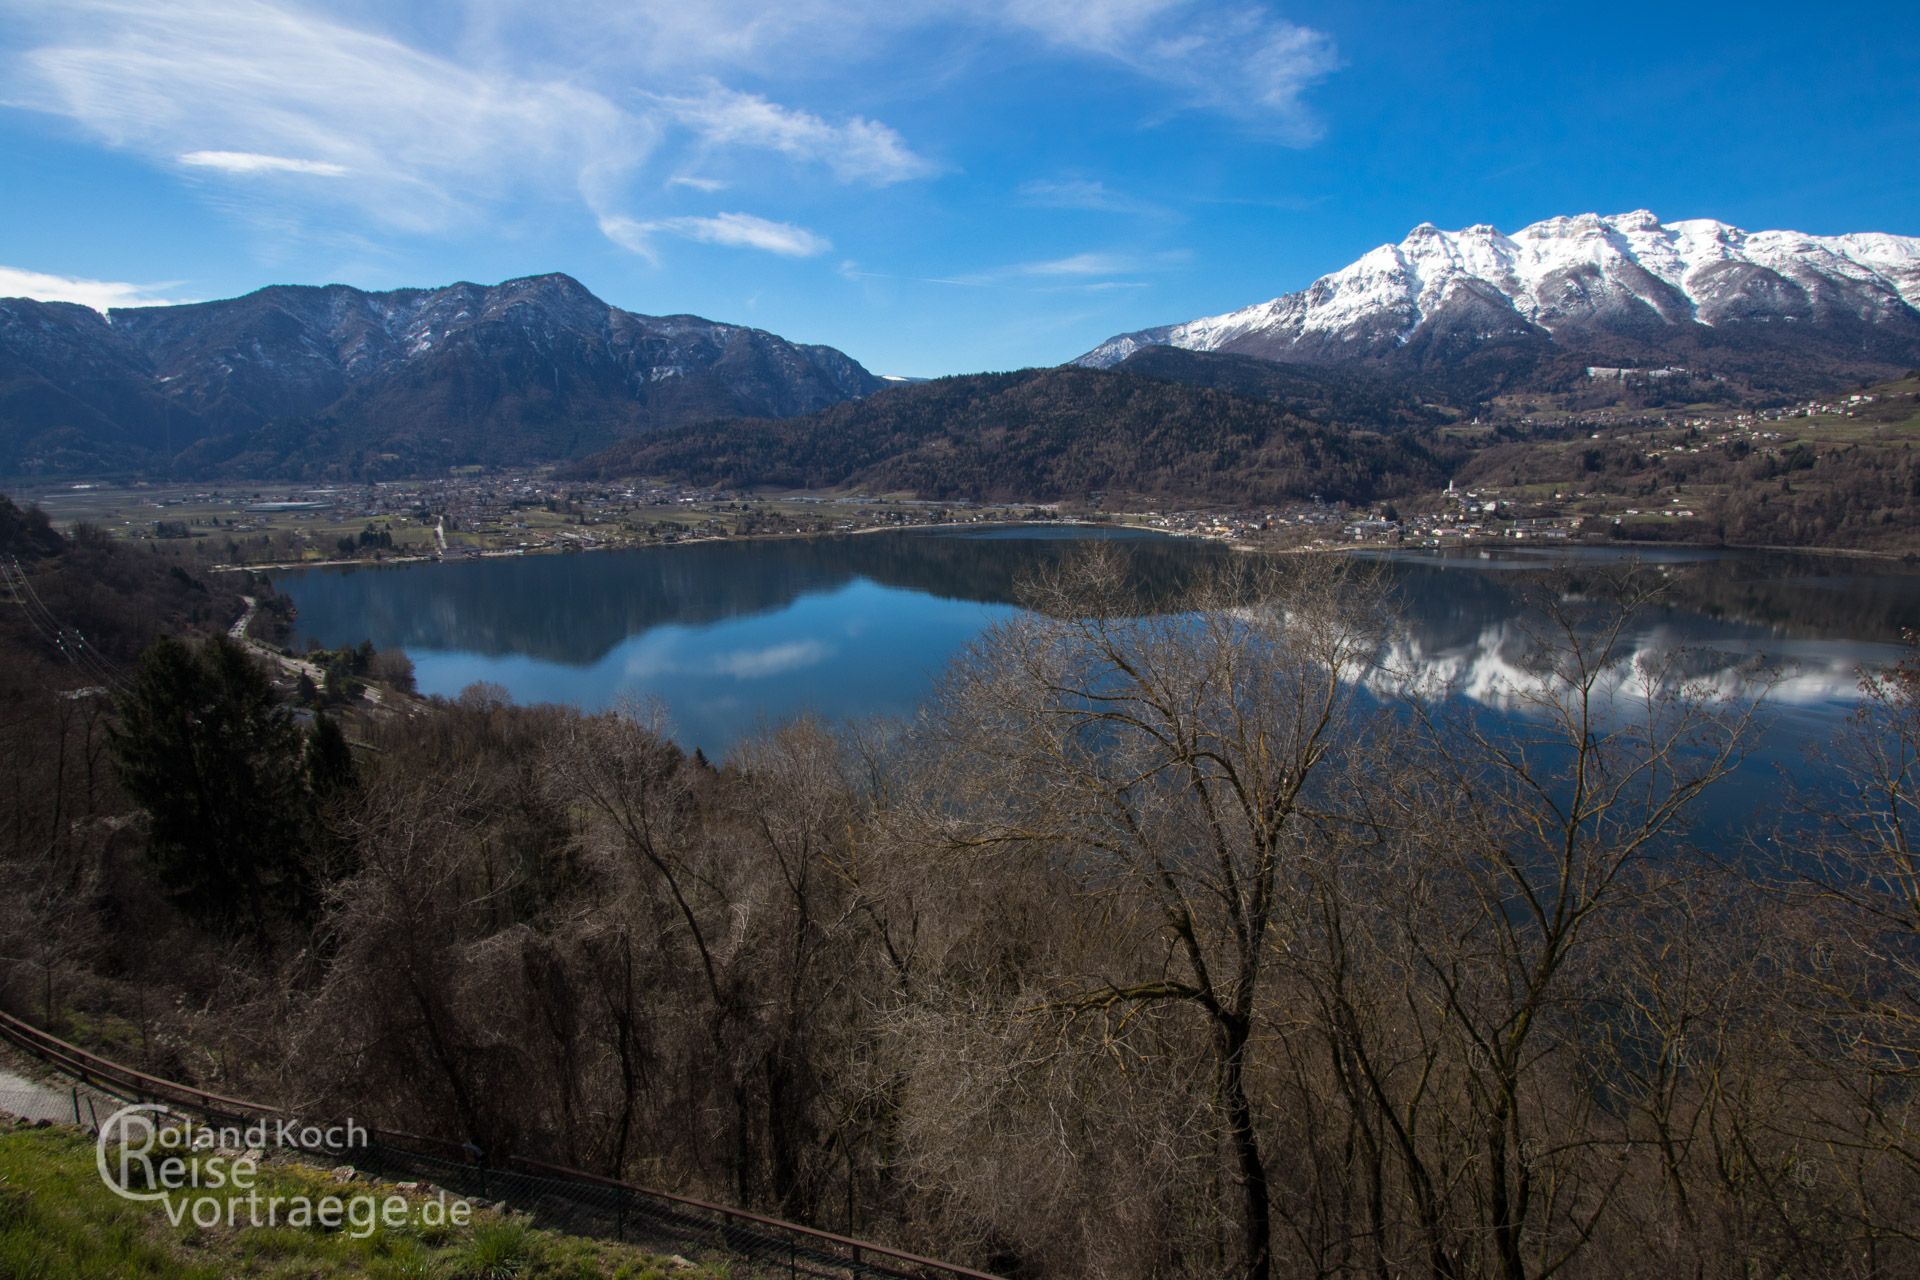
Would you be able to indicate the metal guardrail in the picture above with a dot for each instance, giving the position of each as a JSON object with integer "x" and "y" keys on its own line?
{"x": 570, "y": 1199}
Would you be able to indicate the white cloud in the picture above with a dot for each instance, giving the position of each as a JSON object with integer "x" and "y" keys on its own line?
{"x": 254, "y": 162}
{"x": 98, "y": 294}
{"x": 1081, "y": 193}
{"x": 1238, "y": 57}
{"x": 245, "y": 85}
{"x": 1240, "y": 60}
{"x": 1101, "y": 25}
{"x": 858, "y": 150}
{"x": 755, "y": 664}
{"x": 665, "y": 655}
{"x": 1079, "y": 271}
{"x": 507, "y": 105}
{"x": 263, "y": 88}
{"x": 1080, "y": 264}
{"x": 661, "y": 41}
{"x": 734, "y": 230}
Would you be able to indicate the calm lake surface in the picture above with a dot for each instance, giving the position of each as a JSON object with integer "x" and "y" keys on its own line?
{"x": 731, "y": 635}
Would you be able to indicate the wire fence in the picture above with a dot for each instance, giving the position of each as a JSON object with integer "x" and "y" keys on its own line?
{"x": 569, "y": 1200}
{"x": 85, "y": 1108}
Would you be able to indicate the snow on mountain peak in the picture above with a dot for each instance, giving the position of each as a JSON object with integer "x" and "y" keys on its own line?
{"x": 1567, "y": 271}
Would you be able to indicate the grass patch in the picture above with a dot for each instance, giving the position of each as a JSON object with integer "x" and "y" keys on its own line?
{"x": 58, "y": 1222}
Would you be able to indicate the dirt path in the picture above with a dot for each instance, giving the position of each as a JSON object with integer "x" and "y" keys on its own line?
{"x": 37, "y": 1101}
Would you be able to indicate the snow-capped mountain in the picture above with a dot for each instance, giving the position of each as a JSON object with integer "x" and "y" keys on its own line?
{"x": 330, "y": 377}
{"x": 1697, "y": 291}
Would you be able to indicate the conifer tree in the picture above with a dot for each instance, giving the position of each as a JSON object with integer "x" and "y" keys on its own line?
{"x": 207, "y": 750}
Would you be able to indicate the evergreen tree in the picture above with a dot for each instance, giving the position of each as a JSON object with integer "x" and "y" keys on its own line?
{"x": 330, "y": 768}
{"x": 205, "y": 748}
{"x": 333, "y": 784}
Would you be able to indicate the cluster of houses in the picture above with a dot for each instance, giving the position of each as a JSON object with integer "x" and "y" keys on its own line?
{"x": 1468, "y": 515}
{"x": 1310, "y": 521}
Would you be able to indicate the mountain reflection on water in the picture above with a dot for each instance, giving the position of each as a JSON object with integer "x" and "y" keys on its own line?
{"x": 1808, "y": 624}
{"x": 731, "y": 634}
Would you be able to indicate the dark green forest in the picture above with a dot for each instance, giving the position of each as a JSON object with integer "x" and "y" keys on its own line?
{"x": 1354, "y": 396}
{"x": 1043, "y": 434}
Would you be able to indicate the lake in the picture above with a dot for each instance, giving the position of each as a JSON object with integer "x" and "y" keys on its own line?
{"x": 731, "y": 635}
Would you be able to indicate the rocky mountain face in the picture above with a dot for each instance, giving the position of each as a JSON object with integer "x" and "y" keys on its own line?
{"x": 1482, "y": 311}
{"x": 336, "y": 381}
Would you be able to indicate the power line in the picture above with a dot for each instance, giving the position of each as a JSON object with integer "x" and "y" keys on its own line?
{"x": 70, "y": 641}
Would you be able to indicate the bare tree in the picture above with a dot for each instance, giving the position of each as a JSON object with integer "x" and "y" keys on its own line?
{"x": 1851, "y": 867}
{"x": 1533, "y": 824}
{"x": 743, "y": 881}
{"x": 1170, "y": 760}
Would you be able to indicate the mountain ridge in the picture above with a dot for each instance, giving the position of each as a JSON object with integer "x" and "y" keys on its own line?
{"x": 531, "y": 368}
{"x": 1624, "y": 287}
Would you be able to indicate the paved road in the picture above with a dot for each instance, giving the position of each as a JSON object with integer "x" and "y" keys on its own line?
{"x": 292, "y": 666}
{"x": 295, "y": 667}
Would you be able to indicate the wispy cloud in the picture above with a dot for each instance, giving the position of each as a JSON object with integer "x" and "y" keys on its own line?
{"x": 1090, "y": 272}
{"x": 1243, "y": 61}
{"x": 470, "y": 130}
{"x": 259, "y": 88}
{"x": 244, "y": 85}
{"x": 1081, "y": 193}
{"x": 1085, "y": 264}
{"x": 1239, "y": 58}
{"x": 1285, "y": 203}
{"x": 1076, "y": 273}
{"x": 854, "y": 150}
{"x": 254, "y": 162}
{"x": 98, "y": 294}
{"x": 734, "y": 230}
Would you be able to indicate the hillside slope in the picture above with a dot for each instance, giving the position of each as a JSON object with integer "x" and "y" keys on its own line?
{"x": 1043, "y": 434}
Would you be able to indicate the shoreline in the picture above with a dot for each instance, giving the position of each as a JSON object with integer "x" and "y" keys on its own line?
{"x": 563, "y": 549}
{"x": 1859, "y": 553}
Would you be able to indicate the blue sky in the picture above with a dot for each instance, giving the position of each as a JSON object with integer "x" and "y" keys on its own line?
{"x": 934, "y": 186}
